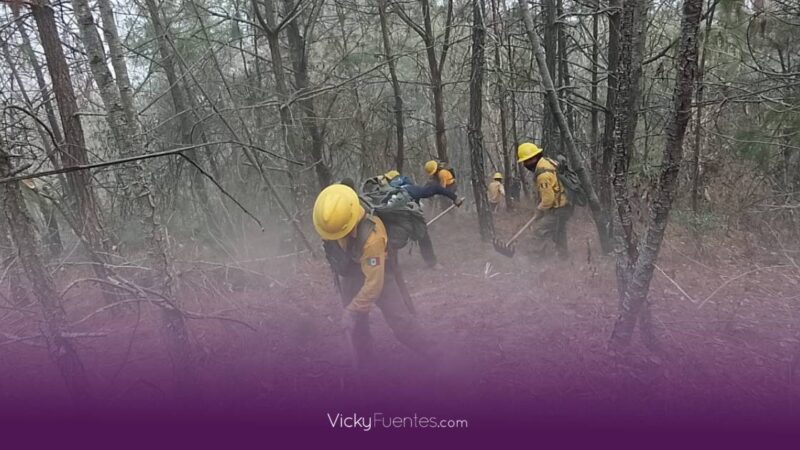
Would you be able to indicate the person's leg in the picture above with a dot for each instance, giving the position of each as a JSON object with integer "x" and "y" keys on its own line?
{"x": 360, "y": 338}
{"x": 403, "y": 324}
{"x": 543, "y": 232}
{"x": 426, "y": 249}
{"x": 563, "y": 214}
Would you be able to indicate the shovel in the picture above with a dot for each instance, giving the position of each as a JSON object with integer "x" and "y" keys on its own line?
{"x": 507, "y": 248}
{"x": 438, "y": 216}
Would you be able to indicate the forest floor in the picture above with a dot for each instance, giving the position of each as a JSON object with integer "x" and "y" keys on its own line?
{"x": 512, "y": 328}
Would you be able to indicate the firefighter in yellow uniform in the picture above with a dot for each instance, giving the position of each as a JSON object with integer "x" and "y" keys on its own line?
{"x": 496, "y": 192}
{"x": 356, "y": 245}
{"x": 554, "y": 210}
{"x": 445, "y": 177}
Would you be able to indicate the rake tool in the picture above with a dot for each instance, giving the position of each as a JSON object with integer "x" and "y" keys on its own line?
{"x": 439, "y": 216}
{"x": 507, "y": 248}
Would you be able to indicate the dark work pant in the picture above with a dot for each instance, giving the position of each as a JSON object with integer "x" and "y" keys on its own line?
{"x": 397, "y": 314}
{"x": 552, "y": 227}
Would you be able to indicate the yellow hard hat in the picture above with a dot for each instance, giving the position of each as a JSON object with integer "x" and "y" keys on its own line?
{"x": 431, "y": 166}
{"x": 337, "y": 210}
{"x": 526, "y": 151}
{"x": 391, "y": 175}
{"x": 497, "y": 176}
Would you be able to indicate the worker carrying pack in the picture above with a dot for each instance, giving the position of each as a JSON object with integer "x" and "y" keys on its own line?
{"x": 568, "y": 179}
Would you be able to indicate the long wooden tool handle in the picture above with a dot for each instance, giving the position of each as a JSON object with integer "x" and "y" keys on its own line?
{"x": 441, "y": 214}
{"x": 522, "y": 230}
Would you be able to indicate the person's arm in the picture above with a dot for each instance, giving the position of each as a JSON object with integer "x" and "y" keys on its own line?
{"x": 373, "y": 266}
{"x": 502, "y": 190}
{"x": 546, "y": 183}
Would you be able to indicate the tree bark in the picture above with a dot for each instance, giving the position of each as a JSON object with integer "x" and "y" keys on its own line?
{"x": 297, "y": 48}
{"x": 85, "y": 221}
{"x": 502, "y": 94}
{"x": 435, "y": 66}
{"x": 398, "y": 95}
{"x": 181, "y": 101}
{"x": 607, "y": 149}
{"x": 576, "y": 161}
{"x": 550, "y": 139}
{"x": 638, "y": 283}
{"x": 486, "y": 226}
{"x": 698, "y": 124}
{"x": 42, "y": 285}
{"x": 27, "y": 49}
{"x": 117, "y": 59}
{"x": 595, "y": 116}
{"x": 138, "y": 193}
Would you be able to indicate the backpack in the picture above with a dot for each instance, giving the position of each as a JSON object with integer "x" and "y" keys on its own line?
{"x": 568, "y": 179}
{"x": 401, "y": 216}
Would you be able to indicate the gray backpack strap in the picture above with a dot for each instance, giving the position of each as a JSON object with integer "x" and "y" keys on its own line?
{"x": 363, "y": 230}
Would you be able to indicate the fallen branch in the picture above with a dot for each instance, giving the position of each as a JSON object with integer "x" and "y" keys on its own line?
{"x": 736, "y": 278}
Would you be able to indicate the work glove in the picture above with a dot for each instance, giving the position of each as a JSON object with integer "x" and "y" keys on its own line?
{"x": 458, "y": 202}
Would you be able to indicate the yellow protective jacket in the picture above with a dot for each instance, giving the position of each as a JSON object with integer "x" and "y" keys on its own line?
{"x": 445, "y": 177}
{"x": 551, "y": 192}
{"x": 373, "y": 266}
{"x": 496, "y": 192}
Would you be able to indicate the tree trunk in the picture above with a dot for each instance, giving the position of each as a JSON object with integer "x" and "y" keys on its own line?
{"x": 86, "y": 222}
{"x": 181, "y": 100}
{"x": 435, "y": 67}
{"x": 44, "y": 290}
{"x": 638, "y": 282}
{"x": 297, "y": 48}
{"x": 604, "y": 184}
{"x": 398, "y": 97}
{"x": 27, "y": 49}
{"x": 138, "y": 193}
{"x": 595, "y": 120}
{"x": 117, "y": 60}
{"x": 576, "y": 161}
{"x": 550, "y": 139}
{"x": 698, "y": 124}
{"x": 502, "y": 94}
{"x": 476, "y": 121}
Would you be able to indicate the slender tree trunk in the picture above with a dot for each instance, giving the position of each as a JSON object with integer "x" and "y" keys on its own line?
{"x": 297, "y": 47}
{"x": 52, "y": 237}
{"x": 611, "y": 99}
{"x": 10, "y": 265}
{"x": 641, "y": 274}
{"x": 270, "y": 31}
{"x": 137, "y": 191}
{"x": 698, "y": 124}
{"x": 44, "y": 290}
{"x": 181, "y": 100}
{"x": 27, "y": 49}
{"x": 398, "y": 96}
{"x": 595, "y": 120}
{"x": 576, "y": 161}
{"x": 435, "y": 67}
{"x": 474, "y": 128}
{"x": 86, "y": 221}
{"x": 502, "y": 94}
{"x": 550, "y": 141}
{"x": 117, "y": 59}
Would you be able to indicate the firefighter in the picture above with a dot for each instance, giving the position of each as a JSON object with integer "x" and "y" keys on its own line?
{"x": 554, "y": 209}
{"x": 496, "y": 192}
{"x": 442, "y": 175}
{"x": 417, "y": 192}
{"x": 356, "y": 246}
